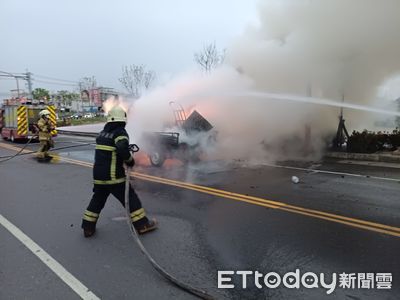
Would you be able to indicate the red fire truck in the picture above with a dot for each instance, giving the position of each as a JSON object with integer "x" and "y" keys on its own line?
{"x": 18, "y": 118}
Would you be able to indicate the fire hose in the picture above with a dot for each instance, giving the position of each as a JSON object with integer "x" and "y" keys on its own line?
{"x": 19, "y": 152}
{"x": 184, "y": 286}
{"x": 8, "y": 157}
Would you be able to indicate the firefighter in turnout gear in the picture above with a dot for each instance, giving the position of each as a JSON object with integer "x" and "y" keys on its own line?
{"x": 111, "y": 154}
{"x": 46, "y": 142}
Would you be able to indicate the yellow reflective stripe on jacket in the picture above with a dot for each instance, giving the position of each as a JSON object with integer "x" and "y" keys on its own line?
{"x": 114, "y": 181}
{"x": 105, "y": 147}
{"x": 138, "y": 214}
{"x": 120, "y": 138}
{"x": 113, "y": 167}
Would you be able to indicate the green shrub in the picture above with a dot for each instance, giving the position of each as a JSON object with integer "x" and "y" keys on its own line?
{"x": 370, "y": 142}
{"x": 64, "y": 122}
{"x": 395, "y": 138}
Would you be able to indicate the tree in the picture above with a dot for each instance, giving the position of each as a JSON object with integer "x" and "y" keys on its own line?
{"x": 135, "y": 78}
{"x": 66, "y": 97}
{"x": 209, "y": 58}
{"x": 87, "y": 83}
{"x": 41, "y": 94}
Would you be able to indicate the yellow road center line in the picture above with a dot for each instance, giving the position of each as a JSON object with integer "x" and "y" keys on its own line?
{"x": 9, "y": 147}
{"x": 208, "y": 188}
{"x": 264, "y": 202}
{"x": 210, "y": 192}
{"x": 367, "y": 225}
{"x": 393, "y": 233}
{"x": 274, "y": 203}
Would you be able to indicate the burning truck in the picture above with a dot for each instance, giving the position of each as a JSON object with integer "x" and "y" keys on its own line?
{"x": 186, "y": 143}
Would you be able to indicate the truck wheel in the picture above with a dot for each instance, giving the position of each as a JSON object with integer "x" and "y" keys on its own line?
{"x": 156, "y": 158}
{"x": 195, "y": 157}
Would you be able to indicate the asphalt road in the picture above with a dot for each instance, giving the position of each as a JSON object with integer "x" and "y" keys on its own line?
{"x": 340, "y": 218}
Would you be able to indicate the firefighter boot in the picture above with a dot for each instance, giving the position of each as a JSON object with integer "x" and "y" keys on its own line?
{"x": 89, "y": 228}
{"x": 46, "y": 149}
{"x": 88, "y": 232}
{"x": 42, "y": 151}
{"x": 47, "y": 157}
{"x": 44, "y": 158}
{"x": 41, "y": 159}
{"x": 40, "y": 156}
{"x": 148, "y": 226}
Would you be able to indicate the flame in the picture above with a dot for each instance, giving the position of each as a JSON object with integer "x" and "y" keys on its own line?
{"x": 142, "y": 160}
{"x": 115, "y": 101}
{"x": 170, "y": 163}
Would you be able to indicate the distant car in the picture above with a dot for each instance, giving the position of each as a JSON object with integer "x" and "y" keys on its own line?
{"x": 88, "y": 115}
{"x": 76, "y": 116}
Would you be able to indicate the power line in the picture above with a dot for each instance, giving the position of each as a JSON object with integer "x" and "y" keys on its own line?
{"x": 13, "y": 73}
{"x": 55, "y": 79}
{"x": 55, "y": 83}
{"x": 42, "y": 79}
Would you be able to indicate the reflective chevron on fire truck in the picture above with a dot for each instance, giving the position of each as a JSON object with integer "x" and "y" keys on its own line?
{"x": 22, "y": 120}
{"x": 53, "y": 118}
{"x": 19, "y": 116}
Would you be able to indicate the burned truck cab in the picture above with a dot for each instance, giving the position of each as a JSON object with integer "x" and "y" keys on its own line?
{"x": 185, "y": 145}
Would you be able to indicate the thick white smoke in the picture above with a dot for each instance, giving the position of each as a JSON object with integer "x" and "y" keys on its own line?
{"x": 329, "y": 48}
{"x": 325, "y": 48}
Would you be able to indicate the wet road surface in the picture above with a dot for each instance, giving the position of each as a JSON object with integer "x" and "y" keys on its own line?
{"x": 340, "y": 217}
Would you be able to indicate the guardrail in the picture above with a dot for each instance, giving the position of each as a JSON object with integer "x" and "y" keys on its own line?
{"x": 77, "y": 133}
{"x": 377, "y": 157}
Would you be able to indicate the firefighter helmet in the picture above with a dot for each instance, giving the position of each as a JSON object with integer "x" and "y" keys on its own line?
{"x": 116, "y": 114}
{"x": 44, "y": 112}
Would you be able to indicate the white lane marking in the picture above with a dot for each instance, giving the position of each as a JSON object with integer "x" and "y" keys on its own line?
{"x": 331, "y": 172}
{"x": 76, "y": 142}
{"x": 50, "y": 262}
{"x": 370, "y": 163}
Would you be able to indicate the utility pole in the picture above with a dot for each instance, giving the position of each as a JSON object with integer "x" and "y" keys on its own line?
{"x": 341, "y": 108}
{"x": 342, "y": 134}
{"x": 15, "y": 77}
{"x": 80, "y": 94}
{"x": 29, "y": 80}
{"x": 307, "y": 147}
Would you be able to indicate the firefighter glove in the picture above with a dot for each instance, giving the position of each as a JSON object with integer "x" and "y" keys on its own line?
{"x": 130, "y": 162}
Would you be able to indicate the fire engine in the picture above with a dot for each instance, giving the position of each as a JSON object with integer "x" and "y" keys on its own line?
{"x": 18, "y": 118}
